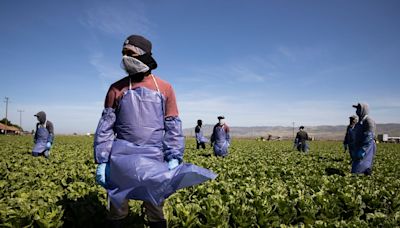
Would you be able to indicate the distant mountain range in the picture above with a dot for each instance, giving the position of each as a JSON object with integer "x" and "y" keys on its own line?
{"x": 324, "y": 132}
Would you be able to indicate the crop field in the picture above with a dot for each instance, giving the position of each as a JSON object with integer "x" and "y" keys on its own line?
{"x": 260, "y": 184}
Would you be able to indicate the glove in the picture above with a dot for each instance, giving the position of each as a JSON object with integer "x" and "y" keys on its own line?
{"x": 173, "y": 163}
{"x": 102, "y": 174}
{"x": 48, "y": 145}
{"x": 345, "y": 148}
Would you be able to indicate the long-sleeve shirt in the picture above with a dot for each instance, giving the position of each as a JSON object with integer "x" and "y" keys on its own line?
{"x": 117, "y": 89}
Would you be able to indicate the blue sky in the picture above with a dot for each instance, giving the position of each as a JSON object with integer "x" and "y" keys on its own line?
{"x": 256, "y": 62}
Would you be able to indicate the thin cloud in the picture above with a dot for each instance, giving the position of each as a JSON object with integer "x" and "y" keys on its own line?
{"x": 118, "y": 19}
{"x": 244, "y": 74}
{"x": 108, "y": 71}
{"x": 247, "y": 70}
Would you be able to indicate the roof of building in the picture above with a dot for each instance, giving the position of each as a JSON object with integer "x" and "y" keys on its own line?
{"x": 8, "y": 128}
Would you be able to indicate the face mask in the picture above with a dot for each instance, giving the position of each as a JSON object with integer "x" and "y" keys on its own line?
{"x": 133, "y": 66}
{"x": 148, "y": 60}
{"x": 221, "y": 122}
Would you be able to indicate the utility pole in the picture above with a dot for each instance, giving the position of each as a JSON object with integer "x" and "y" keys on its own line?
{"x": 6, "y": 101}
{"x": 20, "y": 118}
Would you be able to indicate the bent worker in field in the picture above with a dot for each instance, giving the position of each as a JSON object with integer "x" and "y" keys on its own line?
{"x": 200, "y": 139}
{"x": 365, "y": 147}
{"x": 220, "y": 137}
{"x": 44, "y": 136}
{"x": 139, "y": 143}
{"x": 349, "y": 138}
{"x": 301, "y": 140}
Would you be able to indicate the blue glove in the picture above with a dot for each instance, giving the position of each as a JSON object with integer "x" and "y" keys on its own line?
{"x": 48, "y": 145}
{"x": 173, "y": 163}
{"x": 102, "y": 173}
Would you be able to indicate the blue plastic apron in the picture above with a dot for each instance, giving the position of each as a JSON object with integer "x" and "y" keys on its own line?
{"x": 137, "y": 167}
{"x": 42, "y": 135}
{"x": 364, "y": 142}
{"x": 221, "y": 144}
{"x": 200, "y": 138}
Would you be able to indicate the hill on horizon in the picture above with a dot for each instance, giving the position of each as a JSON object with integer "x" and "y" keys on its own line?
{"x": 322, "y": 132}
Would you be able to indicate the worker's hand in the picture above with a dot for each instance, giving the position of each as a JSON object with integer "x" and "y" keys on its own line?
{"x": 173, "y": 163}
{"x": 48, "y": 145}
{"x": 102, "y": 173}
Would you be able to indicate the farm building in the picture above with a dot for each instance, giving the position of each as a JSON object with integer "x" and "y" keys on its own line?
{"x": 9, "y": 129}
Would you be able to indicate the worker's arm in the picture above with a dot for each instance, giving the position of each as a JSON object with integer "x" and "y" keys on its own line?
{"x": 35, "y": 137}
{"x": 228, "y": 136}
{"x": 104, "y": 136}
{"x": 368, "y": 134}
{"x": 50, "y": 129}
{"x": 173, "y": 141}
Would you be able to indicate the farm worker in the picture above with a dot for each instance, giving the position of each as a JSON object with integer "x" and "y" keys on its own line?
{"x": 301, "y": 140}
{"x": 220, "y": 137}
{"x": 200, "y": 139}
{"x": 348, "y": 142}
{"x": 365, "y": 147}
{"x": 139, "y": 143}
{"x": 44, "y": 136}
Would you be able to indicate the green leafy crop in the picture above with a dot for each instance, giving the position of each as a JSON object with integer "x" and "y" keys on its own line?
{"x": 260, "y": 184}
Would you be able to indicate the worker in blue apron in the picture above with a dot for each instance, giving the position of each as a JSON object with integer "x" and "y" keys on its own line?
{"x": 139, "y": 143}
{"x": 364, "y": 143}
{"x": 44, "y": 136}
{"x": 220, "y": 138}
{"x": 349, "y": 139}
{"x": 200, "y": 139}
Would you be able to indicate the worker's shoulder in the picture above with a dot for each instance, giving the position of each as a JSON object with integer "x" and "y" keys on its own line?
{"x": 162, "y": 83}
{"x": 49, "y": 124}
{"x": 226, "y": 127}
{"x": 369, "y": 120}
{"x": 120, "y": 84}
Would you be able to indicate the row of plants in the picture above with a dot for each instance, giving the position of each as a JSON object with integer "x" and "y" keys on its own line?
{"x": 260, "y": 184}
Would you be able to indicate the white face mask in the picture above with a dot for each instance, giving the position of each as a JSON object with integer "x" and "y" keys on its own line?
{"x": 133, "y": 66}
{"x": 221, "y": 122}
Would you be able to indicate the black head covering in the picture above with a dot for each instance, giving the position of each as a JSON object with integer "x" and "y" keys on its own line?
{"x": 301, "y": 127}
{"x": 221, "y": 117}
{"x": 140, "y": 42}
{"x": 146, "y": 46}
